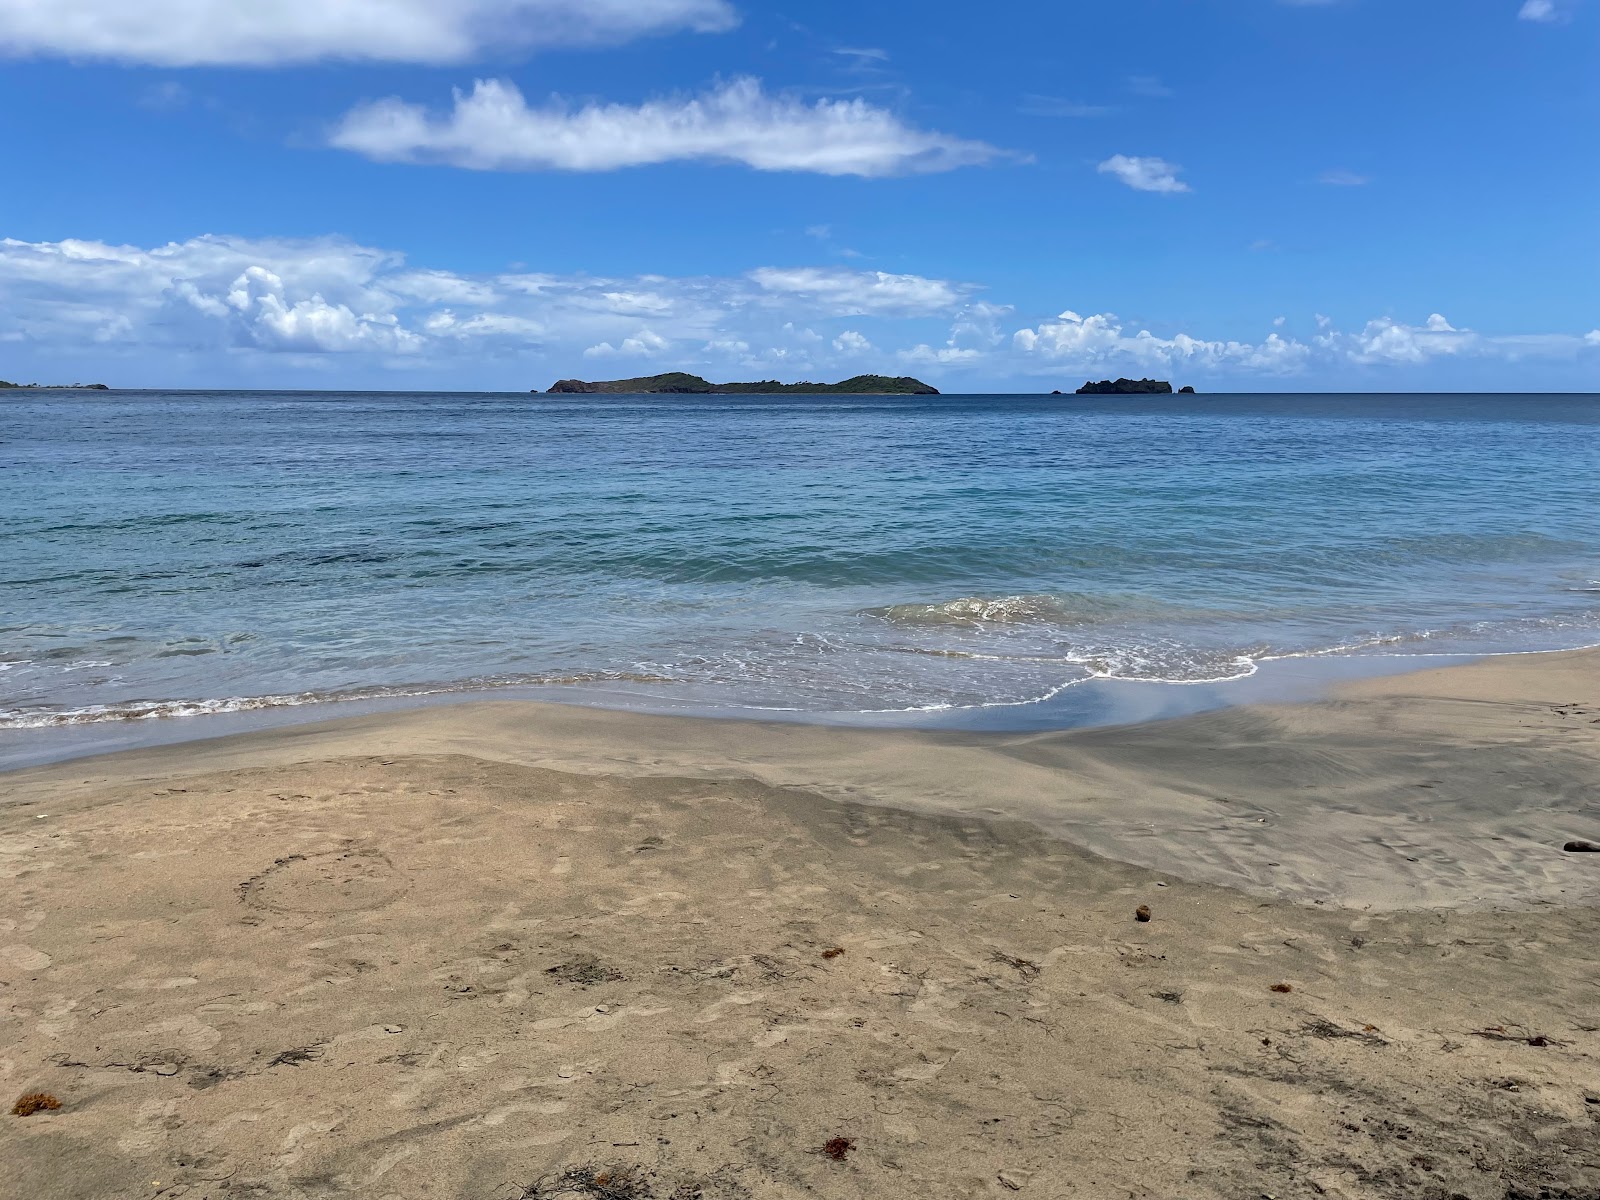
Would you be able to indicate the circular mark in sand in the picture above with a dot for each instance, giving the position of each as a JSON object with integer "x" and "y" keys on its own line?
{"x": 339, "y": 881}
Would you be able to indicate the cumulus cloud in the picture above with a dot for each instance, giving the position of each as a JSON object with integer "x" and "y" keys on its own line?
{"x": 644, "y": 344}
{"x": 1102, "y": 338}
{"x": 329, "y": 297}
{"x": 493, "y": 128}
{"x": 1539, "y": 10}
{"x": 1144, "y": 174}
{"x": 252, "y": 33}
{"x": 317, "y": 303}
{"x": 1389, "y": 341}
{"x": 853, "y": 293}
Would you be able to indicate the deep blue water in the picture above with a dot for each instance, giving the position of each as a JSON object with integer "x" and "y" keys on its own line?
{"x": 167, "y": 553}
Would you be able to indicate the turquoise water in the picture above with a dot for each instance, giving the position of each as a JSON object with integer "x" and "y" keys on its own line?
{"x": 171, "y": 554}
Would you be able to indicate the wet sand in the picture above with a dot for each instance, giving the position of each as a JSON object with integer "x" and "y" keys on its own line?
{"x": 521, "y": 950}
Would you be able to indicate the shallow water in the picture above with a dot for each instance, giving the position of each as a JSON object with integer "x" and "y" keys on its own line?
{"x": 164, "y": 554}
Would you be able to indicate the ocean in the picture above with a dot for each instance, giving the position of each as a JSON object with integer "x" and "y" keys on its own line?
{"x": 168, "y": 555}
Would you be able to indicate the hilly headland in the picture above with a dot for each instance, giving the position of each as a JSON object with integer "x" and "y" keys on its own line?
{"x": 682, "y": 383}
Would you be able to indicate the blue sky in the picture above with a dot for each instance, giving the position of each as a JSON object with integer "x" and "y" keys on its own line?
{"x": 1238, "y": 194}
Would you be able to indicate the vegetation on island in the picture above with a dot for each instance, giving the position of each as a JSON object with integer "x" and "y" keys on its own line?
{"x": 56, "y": 387}
{"x": 1126, "y": 387}
{"x": 682, "y": 383}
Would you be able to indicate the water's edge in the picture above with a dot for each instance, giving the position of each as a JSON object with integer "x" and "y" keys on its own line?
{"x": 1090, "y": 704}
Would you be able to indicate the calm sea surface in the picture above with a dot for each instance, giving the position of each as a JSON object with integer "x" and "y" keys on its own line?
{"x": 170, "y": 554}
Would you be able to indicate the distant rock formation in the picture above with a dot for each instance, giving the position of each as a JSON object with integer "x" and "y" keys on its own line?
{"x": 681, "y": 383}
{"x": 1126, "y": 387}
{"x": 1186, "y": 391}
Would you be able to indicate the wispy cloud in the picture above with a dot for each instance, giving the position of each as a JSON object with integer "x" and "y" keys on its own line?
{"x": 1149, "y": 86}
{"x": 1539, "y": 10}
{"x": 257, "y": 33}
{"x": 492, "y": 128}
{"x": 854, "y": 293}
{"x": 1035, "y": 105}
{"x": 1339, "y": 177}
{"x": 1145, "y": 174}
{"x": 863, "y": 52}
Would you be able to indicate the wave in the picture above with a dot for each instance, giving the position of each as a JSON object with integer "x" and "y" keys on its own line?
{"x": 48, "y": 717}
{"x": 1034, "y": 609}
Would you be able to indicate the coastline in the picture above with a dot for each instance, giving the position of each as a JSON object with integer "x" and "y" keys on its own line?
{"x": 1167, "y": 793}
{"x": 1079, "y": 704}
{"x": 462, "y": 950}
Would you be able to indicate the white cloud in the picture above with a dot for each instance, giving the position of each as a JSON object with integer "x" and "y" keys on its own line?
{"x": 316, "y": 304}
{"x": 1144, "y": 174}
{"x": 645, "y": 344}
{"x": 493, "y": 128}
{"x": 1101, "y": 338}
{"x": 852, "y": 293}
{"x": 265, "y": 32}
{"x": 1092, "y": 341}
{"x": 1539, "y": 10}
{"x": 1339, "y": 177}
{"x": 925, "y": 355}
{"x": 329, "y": 298}
{"x": 870, "y": 53}
{"x": 1388, "y": 341}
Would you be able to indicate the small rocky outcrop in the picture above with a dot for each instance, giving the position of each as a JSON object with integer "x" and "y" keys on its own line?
{"x": 1126, "y": 387}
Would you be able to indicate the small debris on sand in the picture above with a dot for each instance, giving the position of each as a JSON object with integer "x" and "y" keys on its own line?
{"x": 837, "y": 1148}
{"x": 1582, "y": 847}
{"x": 35, "y": 1102}
{"x": 1503, "y": 1033}
{"x": 1142, "y": 913}
{"x": 611, "y": 1184}
{"x": 585, "y": 971}
{"x": 1025, "y": 967}
{"x": 1284, "y": 988}
{"x": 833, "y": 952}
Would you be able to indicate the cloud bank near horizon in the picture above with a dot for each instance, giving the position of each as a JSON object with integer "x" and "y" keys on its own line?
{"x": 314, "y": 303}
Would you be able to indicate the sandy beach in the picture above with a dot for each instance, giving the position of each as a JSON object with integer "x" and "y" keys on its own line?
{"x": 518, "y": 950}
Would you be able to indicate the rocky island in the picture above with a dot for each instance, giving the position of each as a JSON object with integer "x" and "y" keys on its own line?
{"x": 55, "y": 387}
{"x": 1129, "y": 387}
{"x": 681, "y": 383}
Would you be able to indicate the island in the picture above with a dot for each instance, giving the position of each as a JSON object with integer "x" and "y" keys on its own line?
{"x": 681, "y": 383}
{"x": 56, "y": 387}
{"x": 1126, "y": 387}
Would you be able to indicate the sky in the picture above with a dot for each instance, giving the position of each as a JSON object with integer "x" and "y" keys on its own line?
{"x": 1239, "y": 195}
